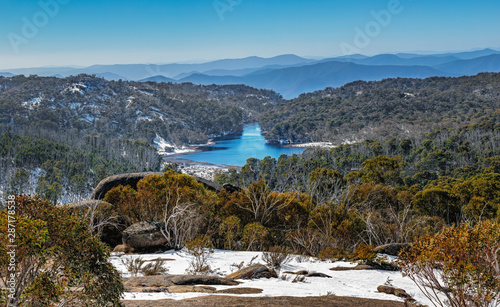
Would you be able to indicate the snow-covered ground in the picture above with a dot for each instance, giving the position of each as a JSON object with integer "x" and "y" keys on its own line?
{"x": 314, "y": 144}
{"x": 203, "y": 171}
{"x": 326, "y": 145}
{"x": 165, "y": 148}
{"x": 355, "y": 283}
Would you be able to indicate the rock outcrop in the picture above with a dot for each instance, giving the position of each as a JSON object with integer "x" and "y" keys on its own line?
{"x": 253, "y": 272}
{"x": 143, "y": 235}
{"x": 123, "y": 248}
{"x": 161, "y": 283}
{"x": 113, "y": 181}
{"x": 203, "y": 280}
{"x": 231, "y": 188}
{"x": 209, "y": 185}
{"x": 395, "y": 291}
{"x": 132, "y": 179}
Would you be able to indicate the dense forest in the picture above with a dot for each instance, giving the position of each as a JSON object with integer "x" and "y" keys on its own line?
{"x": 384, "y": 109}
{"x": 180, "y": 113}
{"x": 59, "y": 137}
{"x": 68, "y": 171}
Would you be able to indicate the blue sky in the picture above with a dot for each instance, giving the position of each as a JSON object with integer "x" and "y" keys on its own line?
{"x": 82, "y": 33}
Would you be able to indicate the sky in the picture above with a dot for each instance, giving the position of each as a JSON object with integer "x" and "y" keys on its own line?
{"x": 35, "y": 33}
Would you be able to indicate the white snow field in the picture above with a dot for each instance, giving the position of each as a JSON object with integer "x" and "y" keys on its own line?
{"x": 355, "y": 283}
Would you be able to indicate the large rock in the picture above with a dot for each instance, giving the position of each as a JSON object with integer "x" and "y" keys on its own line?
{"x": 123, "y": 248}
{"x": 203, "y": 280}
{"x": 143, "y": 235}
{"x": 253, "y": 272}
{"x": 132, "y": 179}
{"x": 394, "y": 291}
{"x": 209, "y": 185}
{"x": 107, "y": 184}
{"x": 186, "y": 289}
{"x": 231, "y": 188}
{"x": 392, "y": 249}
{"x": 136, "y": 284}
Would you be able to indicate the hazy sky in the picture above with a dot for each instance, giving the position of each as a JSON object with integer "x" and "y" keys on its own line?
{"x": 85, "y": 32}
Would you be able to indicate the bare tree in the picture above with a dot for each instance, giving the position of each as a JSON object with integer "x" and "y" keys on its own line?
{"x": 181, "y": 219}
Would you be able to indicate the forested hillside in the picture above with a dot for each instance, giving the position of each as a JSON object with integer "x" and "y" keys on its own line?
{"x": 373, "y": 192}
{"x": 65, "y": 171}
{"x": 382, "y": 110}
{"x": 180, "y": 113}
{"x": 66, "y": 134}
{"x": 59, "y": 137}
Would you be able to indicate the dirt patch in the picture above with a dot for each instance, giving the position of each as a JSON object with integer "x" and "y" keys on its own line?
{"x": 242, "y": 290}
{"x": 217, "y": 301}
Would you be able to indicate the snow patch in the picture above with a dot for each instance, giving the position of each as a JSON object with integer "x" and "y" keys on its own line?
{"x": 130, "y": 100}
{"x": 355, "y": 283}
{"x": 31, "y": 104}
{"x": 165, "y": 148}
{"x": 315, "y": 145}
{"x": 77, "y": 88}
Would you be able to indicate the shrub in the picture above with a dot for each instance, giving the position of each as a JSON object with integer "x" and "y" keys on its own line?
{"x": 364, "y": 252}
{"x": 200, "y": 248}
{"x": 254, "y": 236}
{"x": 230, "y": 229}
{"x": 276, "y": 257}
{"x": 299, "y": 278}
{"x": 59, "y": 259}
{"x": 156, "y": 267}
{"x": 133, "y": 265}
{"x": 334, "y": 253}
{"x": 460, "y": 263}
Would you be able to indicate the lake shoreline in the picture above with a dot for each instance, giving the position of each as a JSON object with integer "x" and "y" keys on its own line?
{"x": 233, "y": 152}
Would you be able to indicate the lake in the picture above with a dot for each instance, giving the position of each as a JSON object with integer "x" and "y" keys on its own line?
{"x": 236, "y": 151}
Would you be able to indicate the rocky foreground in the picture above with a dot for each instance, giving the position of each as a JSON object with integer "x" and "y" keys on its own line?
{"x": 220, "y": 300}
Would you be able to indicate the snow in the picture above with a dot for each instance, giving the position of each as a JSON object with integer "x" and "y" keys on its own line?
{"x": 75, "y": 105}
{"x": 130, "y": 101}
{"x": 355, "y": 283}
{"x": 165, "y": 148}
{"x": 314, "y": 144}
{"x": 203, "y": 171}
{"x": 31, "y": 104}
{"x": 77, "y": 88}
{"x": 144, "y": 118}
{"x": 89, "y": 118}
{"x": 327, "y": 145}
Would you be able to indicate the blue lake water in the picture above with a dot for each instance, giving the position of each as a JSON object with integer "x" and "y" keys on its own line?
{"x": 236, "y": 151}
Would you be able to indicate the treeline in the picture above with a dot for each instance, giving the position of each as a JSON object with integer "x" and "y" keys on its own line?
{"x": 384, "y": 109}
{"x": 67, "y": 170}
{"x": 458, "y": 153}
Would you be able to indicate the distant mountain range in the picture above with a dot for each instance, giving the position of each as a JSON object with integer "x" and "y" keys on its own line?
{"x": 291, "y": 75}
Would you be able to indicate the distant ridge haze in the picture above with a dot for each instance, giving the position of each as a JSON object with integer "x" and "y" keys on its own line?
{"x": 291, "y": 75}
